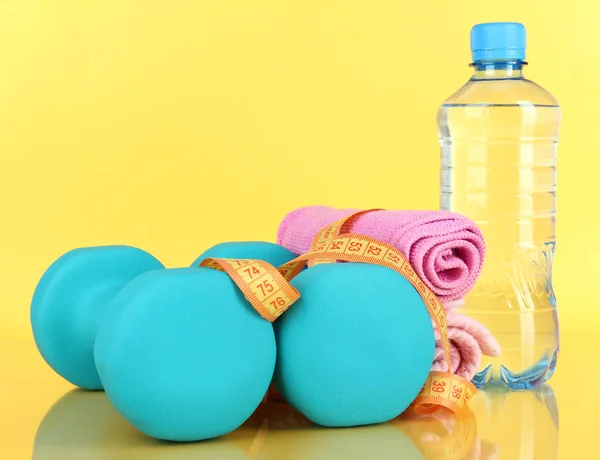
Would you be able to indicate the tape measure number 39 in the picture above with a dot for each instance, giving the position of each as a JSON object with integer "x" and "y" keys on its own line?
{"x": 268, "y": 290}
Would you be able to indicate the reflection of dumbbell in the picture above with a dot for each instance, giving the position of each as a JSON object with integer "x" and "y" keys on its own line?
{"x": 73, "y": 295}
{"x": 159, "y": 341}
{"x": 84, "y": 424}
{"x": 378, "y": 442}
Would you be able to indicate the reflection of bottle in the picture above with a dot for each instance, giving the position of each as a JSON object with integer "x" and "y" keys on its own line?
{"x": 524, "y": 424}
{"x": 85, "y": 425}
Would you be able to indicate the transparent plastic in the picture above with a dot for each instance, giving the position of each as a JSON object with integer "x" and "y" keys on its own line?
{"x": 498, "y": 137}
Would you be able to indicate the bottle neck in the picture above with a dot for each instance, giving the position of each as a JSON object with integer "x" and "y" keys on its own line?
{"x": 498, "y": 70}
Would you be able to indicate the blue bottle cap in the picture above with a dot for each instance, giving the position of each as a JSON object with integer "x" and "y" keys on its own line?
{"x": 498, "y": 40}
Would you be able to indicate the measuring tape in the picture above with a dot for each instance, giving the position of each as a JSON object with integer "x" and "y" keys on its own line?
{"x": 268, "y": 290}
{"x": 263, "y": 286}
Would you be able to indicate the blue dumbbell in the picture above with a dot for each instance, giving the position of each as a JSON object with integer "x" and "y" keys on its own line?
{"x": 180, "y": 352}
{"x": 356, "y": 348}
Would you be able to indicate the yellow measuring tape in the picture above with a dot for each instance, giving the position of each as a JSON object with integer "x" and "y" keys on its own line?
{"x": 263, "y": 286}
{"x": 269, "y": 292}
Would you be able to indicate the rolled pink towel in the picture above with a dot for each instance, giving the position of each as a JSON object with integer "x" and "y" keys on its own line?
{"x": 469, "y": 340}
{"x": 445, "y": 249}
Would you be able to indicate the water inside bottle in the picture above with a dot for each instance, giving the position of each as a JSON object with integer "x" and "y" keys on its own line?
{"x": 499, "y": 169}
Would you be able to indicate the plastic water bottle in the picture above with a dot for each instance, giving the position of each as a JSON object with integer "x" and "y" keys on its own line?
{"x": 498, "y": 136}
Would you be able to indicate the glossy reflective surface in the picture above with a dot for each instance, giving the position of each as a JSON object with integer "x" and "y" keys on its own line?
{"x": 43, "y": 418}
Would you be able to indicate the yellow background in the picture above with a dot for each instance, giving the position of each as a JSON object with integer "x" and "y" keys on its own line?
{"x": 175, "y": 125}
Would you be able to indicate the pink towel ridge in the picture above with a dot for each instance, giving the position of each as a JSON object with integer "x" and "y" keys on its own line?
{"x": 469, "y": 340}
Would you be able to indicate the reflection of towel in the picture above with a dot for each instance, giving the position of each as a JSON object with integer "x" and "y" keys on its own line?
{"x": 468, "y": 341}
{"x": 445, "y": 249}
